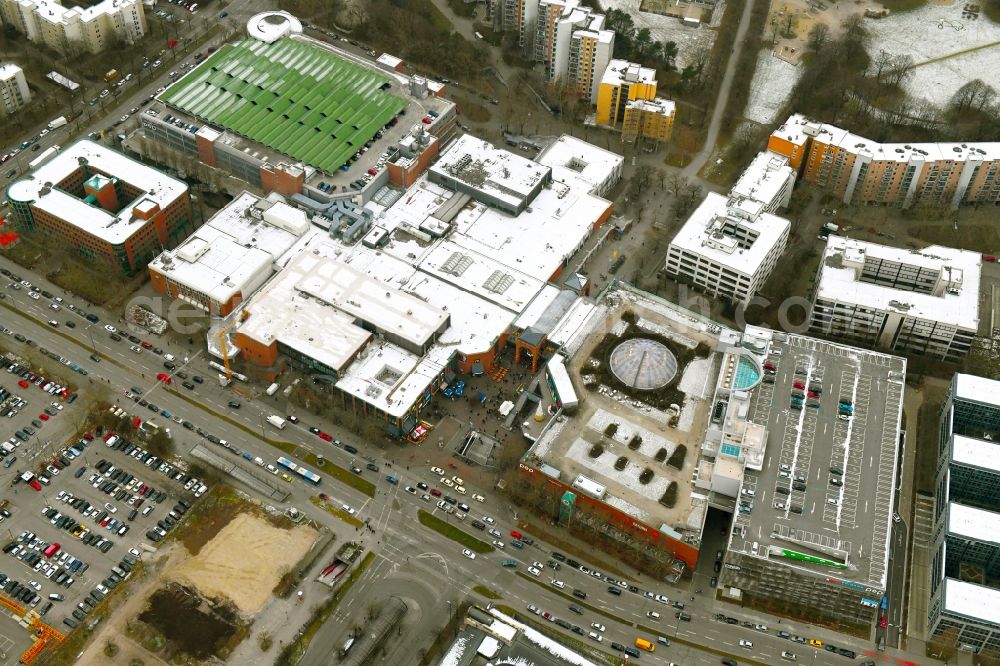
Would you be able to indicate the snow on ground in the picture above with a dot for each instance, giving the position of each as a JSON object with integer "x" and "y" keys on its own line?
{"x": 934, "y": 31}
{"x": 694, "y": 382}
{"x": 456, "y": 653}
{"x": 651, "y": 442}
{"x": 773, "y": 81}
{"x": 651, "y": 327}
{"x": 666, "y": 29}
{"x": 543, "y": 641}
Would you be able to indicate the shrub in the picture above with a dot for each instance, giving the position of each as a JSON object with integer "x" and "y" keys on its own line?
{"x": 621, "y": 463}
{"x": 610, "y": 429}
{"x": 635, "y": 442}
{"x": 677, "y": 457}
{"x": 596, "y": 450}
{"x": 661, "y": 455}
{"x": 646, "y": 476}
{"x": 629, "y": 317}
{"x": 670, "y": 495}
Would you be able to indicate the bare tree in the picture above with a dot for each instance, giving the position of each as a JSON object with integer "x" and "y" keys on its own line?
{"x": 973, "y": 96}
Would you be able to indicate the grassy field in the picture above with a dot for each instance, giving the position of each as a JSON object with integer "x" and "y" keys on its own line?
{"x": 339, "y": 513}
{"x": 484, "y": 591}
{"x": 446, "y": 529}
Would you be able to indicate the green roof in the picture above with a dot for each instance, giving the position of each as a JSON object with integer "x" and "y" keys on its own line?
{"x": 292, "y": 97}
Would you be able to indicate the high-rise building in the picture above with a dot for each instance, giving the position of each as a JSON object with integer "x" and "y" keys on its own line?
{"x": 626, "y": 100}
{"x": 572, "y": 43}
{"x": 923, "y": 302}
{"x": 104, "y": 204}
{"x": 71, "y": 29}
{"x": 519, "y": 16}
{"x": 14, "y": 92}
{"x": 964, "y": 608}
{"x": 861, "y": 171}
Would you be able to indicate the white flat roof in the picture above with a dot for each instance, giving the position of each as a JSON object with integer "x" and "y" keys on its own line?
{"x": 697, "y": 234}
{"x": 660, "y": 105}
{"x": 978, "y": 602}
{"x": 585, "y": 160}
{"x": 764, "y": 179}
{"x": 798, "y": 126}
{"x": 9, "y": 70}
{"x": 114, "y": 228}
{"x": 480, "y": 274}
{"x": 539, "y": 304}
{"x": 389, "y": 60}
{"x": 975, "y": 452}
{"x": 537, "y": 241}
{"x": 972, "y": 523}
{"x": 483, "y": 166}
{"x": 979, "y": 389}
{"x": 839, "y": 283}
{"x": 233, "y": 250}
{"x": 623, "y": 71}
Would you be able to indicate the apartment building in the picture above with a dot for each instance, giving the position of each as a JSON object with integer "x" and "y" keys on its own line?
{"x": 726, "y": 253}
{"x": 590, "y": 52}
{"x": 14, "y": 92}
{"x": 520, "y": 16}
{"x": 731, "y": 244}
{"x": 105, "y": 204}
{"x": 626, "y": 100}
{"x": 964, "y": 608}
{"x": 861, "y": 171}
{"x": 923, "y": 303}
{"x": 75, "y": 29}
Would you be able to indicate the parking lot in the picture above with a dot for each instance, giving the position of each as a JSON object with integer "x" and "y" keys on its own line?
{"x": 827, "y": 480}
{"x": 76, "y": 536}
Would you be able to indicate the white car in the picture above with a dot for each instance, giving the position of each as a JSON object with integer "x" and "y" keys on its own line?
{"x": 534, "y": 571}
{"x": 596, "y": 637}
{"x": 538, "y": 565}
{"x": 468, "y": 553}
{"x": 760, "y": 627}
{"x": 437, "y": 470}
{"x": 499, "y": 545}
{"x": 749, "y": 492}
{"x": 478, "y": 498}
{"x": 110, "y": 329}
{"x": 136, "y": 348}
{"x": 447, "y": 482}
{"x": 746, "y": 644}
{"x": 489, "y": 520}
{"x": 35, "y": 584}
{"x": 349, "y": 510}
{"x": 598, "y": 627}
{"x": 134, "y": 552}
{"x": 558, "y": 583}
{"x": 111, "y": 507}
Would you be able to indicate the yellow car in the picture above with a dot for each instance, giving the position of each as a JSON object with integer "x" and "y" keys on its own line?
{"x": 286, "y": 477}
{"x": 815, "y": 642}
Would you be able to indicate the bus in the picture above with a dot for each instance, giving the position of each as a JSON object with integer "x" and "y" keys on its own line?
{"x": 308, "y": 475}
{"x": 559, "y": 382}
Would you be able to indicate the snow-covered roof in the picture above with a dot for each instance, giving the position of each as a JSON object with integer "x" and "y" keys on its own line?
{"x": 233, "y": 252}
{"x": 623, "y": 71}
{"x": 765, "y": 179}
{"x": 483, "y": 167}
{"x": 40, "y": 189}
{"x": 270, "y": 26}
{"x": 798, "y": 127}
{"x": 389, "y": 60}
{"x": 702, "y": 234}
{"x": 955, "y": 300}
{"x": 480, "y": 274}
{"x": 977, "y": 602}
{"x": 53, "y": 12}
{"x": 973, "y": 523}
{"x": 658, "y": 105}
{"x": 976, "y": 452}
{"x": 979, "y": 389}
{"x": 592, "y": 164}
{"x": 9, "y": 70}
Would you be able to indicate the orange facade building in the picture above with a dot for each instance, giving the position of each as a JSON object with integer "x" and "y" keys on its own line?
{"x": 104, "y": 204}
{"x": 861, "y": 171}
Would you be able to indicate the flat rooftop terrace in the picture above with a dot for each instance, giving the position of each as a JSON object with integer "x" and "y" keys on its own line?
{"x": 846, "y": 524}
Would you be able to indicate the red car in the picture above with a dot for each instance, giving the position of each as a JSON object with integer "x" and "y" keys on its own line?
{"x": 164, "y": 378}
{"x": 146, "y": 345}
{"x": 435, "y": 492}
{"x": 799, "y": 385}
{"x": 43, "y": 416}
{"x": 22, "y": 383}
{"x": 88, "y": 436}
{"x": 34, "y": 484}
{"x": 109, "y": 436}
{"x": 515, "y": 534}
{"x": 325, "y": 437}
{"x": 812, "y": 395}
{"x": 372, "y": 172}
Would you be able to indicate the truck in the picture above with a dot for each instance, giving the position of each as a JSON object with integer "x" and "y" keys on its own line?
{"x": 111, "y": 75}
{"x": 57, "y": 122}
{"x": 276, "y": 421}
{"x": 273, "y": 388}
{"x": 45, "y": 155}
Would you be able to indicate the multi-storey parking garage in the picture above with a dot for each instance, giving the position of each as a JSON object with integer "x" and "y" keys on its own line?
{"x": 811, "y": 532}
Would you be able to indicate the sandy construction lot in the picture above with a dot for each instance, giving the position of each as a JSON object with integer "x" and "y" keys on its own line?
{"x": 244, "y": 561}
